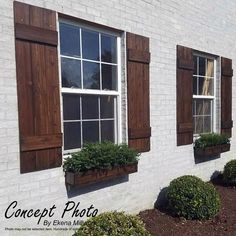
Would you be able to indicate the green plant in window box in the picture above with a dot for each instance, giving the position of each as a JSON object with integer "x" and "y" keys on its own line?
{"x": 99, "y": 161}
{"x": 211, "y": 144}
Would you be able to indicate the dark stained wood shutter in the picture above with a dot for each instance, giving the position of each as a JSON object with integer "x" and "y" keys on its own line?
{"x": 138, "y": 59}
{"x": 36, "y": 42}
{"x": 184, "y": 93}
{"x": 226, "y": 96}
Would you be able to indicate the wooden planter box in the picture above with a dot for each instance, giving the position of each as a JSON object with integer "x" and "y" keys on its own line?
{"x": 95, "y": 176}
{"x": 212, "y": 151}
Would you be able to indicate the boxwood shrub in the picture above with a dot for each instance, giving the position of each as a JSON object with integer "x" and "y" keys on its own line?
{"x": 113, "y": 224}
{"x": 188, "y": 196}
{"x": 229, "y": 173}
{"x": 103, "y": 155}
{"x": 212, "y": 139}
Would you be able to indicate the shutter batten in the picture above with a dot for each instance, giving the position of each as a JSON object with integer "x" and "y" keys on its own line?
{"x": 184, "y": 93}
{"x": 38, "y": 88}
{"x": 41, "y": 142}
{"x": 138, "y": 58}
{"x": 36, "y": 34}
{"x": 226, "y": 96}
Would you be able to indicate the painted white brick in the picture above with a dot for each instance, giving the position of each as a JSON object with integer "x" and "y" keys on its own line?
{"x": 39, "y": 192}
{"x": 29, "y": 186}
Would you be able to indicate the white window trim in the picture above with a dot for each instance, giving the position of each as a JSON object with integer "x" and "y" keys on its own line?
{"x": 213, "y": 98}
{"x": 117, "y": 94}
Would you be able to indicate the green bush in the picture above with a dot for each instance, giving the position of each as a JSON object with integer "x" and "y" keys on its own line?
{"x": 229, "y": 174}
{"x": 113, "y": 224}
{"x": 100, "y": 156}
{"x": 212, "y": 139}
{"x": 190, "y": 197}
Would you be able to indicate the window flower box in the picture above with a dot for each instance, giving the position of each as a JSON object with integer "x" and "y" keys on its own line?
{"x": 99, "y": 175}
{"x": 97, "y": 162}
{"x": 212, "y": 151}
{"x": 211, "y": 145}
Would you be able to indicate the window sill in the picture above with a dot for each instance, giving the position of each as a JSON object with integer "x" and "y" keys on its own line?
{"x": 212, "y": 151}
{"x": 95, "y": 176}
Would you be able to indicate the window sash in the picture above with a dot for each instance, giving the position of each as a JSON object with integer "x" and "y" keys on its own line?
{"x": 99, "y": 120}
{"x": 100, "y": 62}
{"x": 211, "y": 115}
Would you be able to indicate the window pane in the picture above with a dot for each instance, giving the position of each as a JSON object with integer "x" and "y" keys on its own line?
{"x": 206, "y": 86}
{"x": 90, "y": 107}
{"x": 194, "y": 125}
{"x": 202, "y": 66}
{"x": 90, "y": 131}
{"x": 199, "y": 107}
{"x": 91, "y": 75}
{"x": 108, "y": 47}
{"x": 198, "y": 124}
{"x": 107, "y": 106}
{"x": 207, "y": 107}
{"x": 207, "y": 124}
{"x": 90, "y": 45}
{"x": 71, "y": 73}
{"x": 72, "y": 135}
{"x": 107, "y": 130}
{"x": 194, "y": 107}
{"x": 210, "y": 68}
{"x": 195, "y": 65}
{"x": 195, "y": 80}
{"x": 203, "y": 106}
{"x": 109, "y": 77}
{"x": 71, "y": 107}
{"x": 69, "y": 40}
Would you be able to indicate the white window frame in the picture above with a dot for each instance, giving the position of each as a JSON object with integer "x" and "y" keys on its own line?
{"x": 81, "y": 91}
{"x": 208, "y": 97}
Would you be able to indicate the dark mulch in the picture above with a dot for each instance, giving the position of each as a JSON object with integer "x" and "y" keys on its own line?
{"x": 160, "y": 223}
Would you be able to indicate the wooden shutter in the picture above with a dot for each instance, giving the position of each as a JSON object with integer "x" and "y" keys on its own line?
{"x": 138, "y": 59}
{"x": 226, "y": 96}
{"x": 36, "y": 42}
{"x": 184, "y": 93}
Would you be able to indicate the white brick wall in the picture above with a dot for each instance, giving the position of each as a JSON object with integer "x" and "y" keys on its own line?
{"x": 204, "y": 25}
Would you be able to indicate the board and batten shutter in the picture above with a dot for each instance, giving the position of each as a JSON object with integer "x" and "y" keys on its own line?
{"x": 184, "y": 93}
{"x": 226, "y": 96}
{"x": 36, "y": 42}
{"x": 138, "y": 59}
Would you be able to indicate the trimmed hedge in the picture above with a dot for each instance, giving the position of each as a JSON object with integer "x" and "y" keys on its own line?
{"x": 188, "y": 196}
{"x": 112, "y": 224}
{"x": 212, "y": 139}
{"x": 229, "y": 174}
{"x": 103, "y": 155}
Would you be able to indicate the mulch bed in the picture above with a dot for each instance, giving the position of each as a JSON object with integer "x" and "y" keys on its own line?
{"x": 160, "y": 223}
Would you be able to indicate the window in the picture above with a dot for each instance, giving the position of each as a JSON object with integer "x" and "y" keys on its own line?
{"x": 90, "y": 85}
{"x": 203, "y": 94}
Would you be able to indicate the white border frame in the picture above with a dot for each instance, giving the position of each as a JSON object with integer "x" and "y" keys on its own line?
{"x": 213, "y": 98}
{"x": 117, "y": 94}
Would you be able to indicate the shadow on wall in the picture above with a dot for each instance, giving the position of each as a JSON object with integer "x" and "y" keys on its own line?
{"x": 161, "y": 202}
{"x": 80, "y": 190}
{"x": 199, "y": 159}
{"x": 216, "y": 174}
